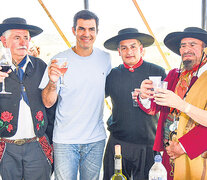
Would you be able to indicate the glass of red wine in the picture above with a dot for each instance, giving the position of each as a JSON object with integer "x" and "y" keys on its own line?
{"x": 5, "y": 63}
{"x": 63, "y": 67}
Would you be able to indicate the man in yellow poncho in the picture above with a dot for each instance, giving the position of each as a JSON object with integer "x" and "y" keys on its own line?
{"x": 188, "y": 147}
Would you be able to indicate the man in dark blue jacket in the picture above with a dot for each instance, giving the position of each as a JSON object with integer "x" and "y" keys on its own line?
{"x": 129, "y": 126}
{"x": 25, "y": 152}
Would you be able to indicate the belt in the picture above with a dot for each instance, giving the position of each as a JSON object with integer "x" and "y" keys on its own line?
{"x": 20, "y": 141}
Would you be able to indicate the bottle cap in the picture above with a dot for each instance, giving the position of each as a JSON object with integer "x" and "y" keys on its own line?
{"x": 117, "y": 149}
{"x": 158, "y": 158}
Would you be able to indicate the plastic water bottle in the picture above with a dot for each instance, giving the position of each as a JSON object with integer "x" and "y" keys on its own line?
{"x": 158, "y": 171}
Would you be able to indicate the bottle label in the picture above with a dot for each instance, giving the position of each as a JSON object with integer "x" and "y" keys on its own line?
{"x": 118, "y": 164}
{"x": 157, "y": 178}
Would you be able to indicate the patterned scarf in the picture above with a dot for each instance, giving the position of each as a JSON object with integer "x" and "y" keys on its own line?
{"x": 186, "y": 80}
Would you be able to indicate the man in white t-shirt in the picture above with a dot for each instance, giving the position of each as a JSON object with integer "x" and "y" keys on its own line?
{"x": 79, "y": 134}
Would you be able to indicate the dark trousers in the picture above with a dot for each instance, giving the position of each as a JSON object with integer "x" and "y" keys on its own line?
{"x": 136, "y": 159}
{"x": 25, "y": 161}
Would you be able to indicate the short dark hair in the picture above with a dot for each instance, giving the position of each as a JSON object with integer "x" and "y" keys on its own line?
{"x": 86, "y": 15}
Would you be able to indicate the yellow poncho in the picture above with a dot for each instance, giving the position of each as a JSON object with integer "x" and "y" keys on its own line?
{"x": 185, "y": 168}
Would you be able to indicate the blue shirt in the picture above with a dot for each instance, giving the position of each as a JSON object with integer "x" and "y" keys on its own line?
{"x": 79, "y": 113}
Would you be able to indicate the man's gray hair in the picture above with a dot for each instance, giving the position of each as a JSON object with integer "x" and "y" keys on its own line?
{"x": 7, "y": 33}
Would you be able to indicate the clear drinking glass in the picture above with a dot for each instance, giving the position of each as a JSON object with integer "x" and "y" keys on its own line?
{"x": 63, "y": 67}
{"x": 5, "y": 63}
{"x": 160, "y": 85}
{"x": 156, "y": 81}
{"x": 134, "y": 101}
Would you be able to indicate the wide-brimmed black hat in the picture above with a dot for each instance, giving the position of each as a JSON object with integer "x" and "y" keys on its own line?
{"x": 19, "y": 23}
{"x": 128, "y": 33}
{"x": 172, "y": 40}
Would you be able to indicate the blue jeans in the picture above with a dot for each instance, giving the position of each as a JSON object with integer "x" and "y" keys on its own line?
{"x": 85, "y": 157}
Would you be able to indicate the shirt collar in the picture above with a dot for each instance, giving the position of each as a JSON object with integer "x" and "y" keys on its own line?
{"x": 28, "y": 60}
{"x": 131, "y": 69}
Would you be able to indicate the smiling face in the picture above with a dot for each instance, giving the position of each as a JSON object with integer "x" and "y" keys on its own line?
{"x": 18, "y": 42}
{"x": 131, "y": 51}
{"x": 85, "y": 33}
{"x": 191, "y": 52}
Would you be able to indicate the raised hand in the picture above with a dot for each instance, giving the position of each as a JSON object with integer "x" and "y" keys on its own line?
{"x": 146, "y": 89}
{"x": 168, "y": 98}
{"x": 53, "y": 71}
{"x": 3, "y": 75}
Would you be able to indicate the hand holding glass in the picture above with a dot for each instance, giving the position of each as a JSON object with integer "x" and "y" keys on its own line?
{"x": 63, "y": 67}
{"x": 160, "y": 85}
{"x": 134, "y": 100}
{"x": 5, "y": 63}
{"x": 156, "y": 80}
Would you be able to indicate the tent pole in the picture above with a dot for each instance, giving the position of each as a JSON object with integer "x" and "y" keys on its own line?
{"x": 86, "y": 4}
{"x": 55, "y": 24}
{"x": 150, "y": 31}
{"x": 204, "y": 15}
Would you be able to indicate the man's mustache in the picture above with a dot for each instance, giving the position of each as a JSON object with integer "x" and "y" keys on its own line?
{"x": 186, "y": 54}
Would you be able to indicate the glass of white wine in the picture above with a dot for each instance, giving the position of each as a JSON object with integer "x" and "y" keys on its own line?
{"x": 63, "y": 67}
{"x": 5, "y": 63}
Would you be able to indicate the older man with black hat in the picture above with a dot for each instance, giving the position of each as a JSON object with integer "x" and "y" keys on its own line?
{"x": 25, "y": 152}
{"x": 129, "y": 126}
{"x": 184, "y": 103}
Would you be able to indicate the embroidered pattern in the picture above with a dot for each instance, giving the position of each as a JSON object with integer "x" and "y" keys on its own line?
{"x": 2, "y": 148}
{"x": 39, "y": 116}
{"x": 47, "y": 149}
{"x": 6, "y": 117}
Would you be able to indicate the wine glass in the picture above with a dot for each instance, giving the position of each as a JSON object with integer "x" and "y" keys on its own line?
{"x": 5, "y": 63}
{"x": 63, "y": 67}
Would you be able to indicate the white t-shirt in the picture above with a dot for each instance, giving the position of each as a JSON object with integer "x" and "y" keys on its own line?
{"x": 79, "y": 113}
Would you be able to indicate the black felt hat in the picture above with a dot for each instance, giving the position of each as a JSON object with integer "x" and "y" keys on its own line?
{"x": 128, "y": 33}
{"x": 172, "y": 40}
{"x": 19, "y": 23}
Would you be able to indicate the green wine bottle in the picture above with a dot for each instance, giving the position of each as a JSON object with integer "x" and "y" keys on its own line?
{"x": 118, "y": 165}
